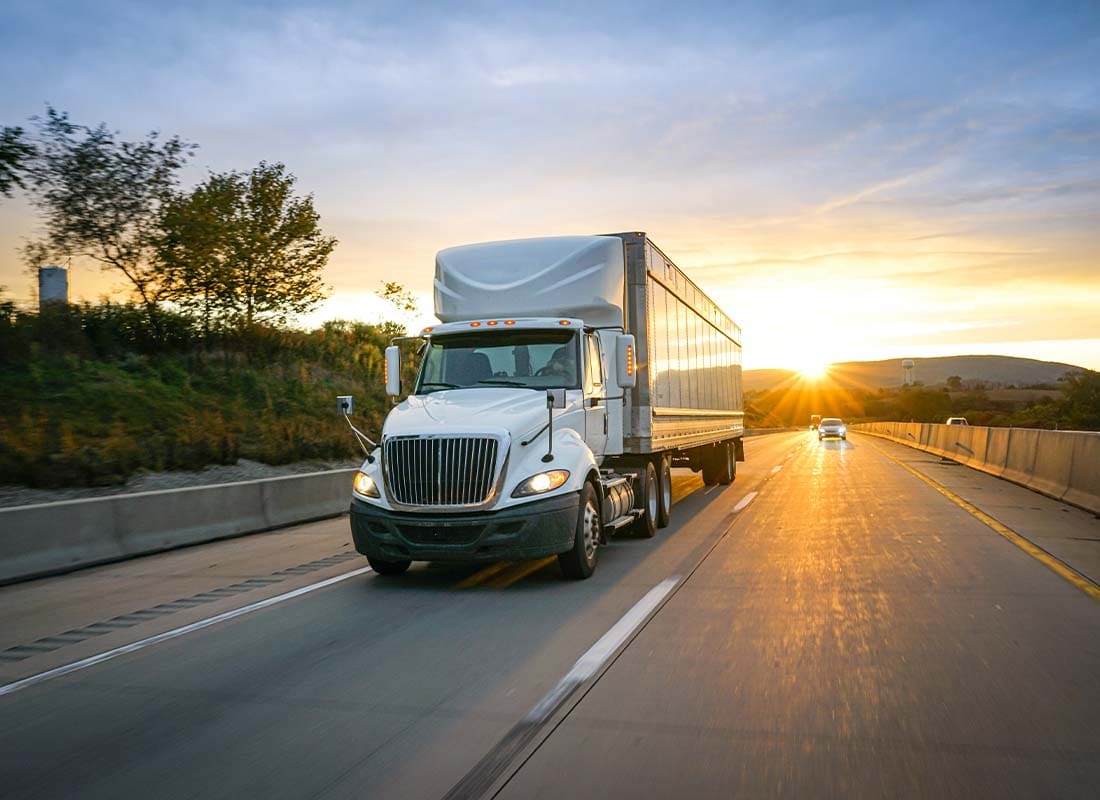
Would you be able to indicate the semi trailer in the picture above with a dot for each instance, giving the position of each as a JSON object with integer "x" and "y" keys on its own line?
{"x": 566, "y": 378}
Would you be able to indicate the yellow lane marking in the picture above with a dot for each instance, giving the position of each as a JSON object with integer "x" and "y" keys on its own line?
{"x": 522, "y": 570}
{"x": 1039, "y": 554}
{"x": 483, "y": 574}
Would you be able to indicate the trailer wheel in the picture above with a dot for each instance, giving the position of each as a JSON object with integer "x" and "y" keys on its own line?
{"x": 664, "y": 490}
{"x": 649, "y": 501}
{"x": 388, "y": 567}
{"x": 580, "y": 562}
{"x": 727, "y": 460}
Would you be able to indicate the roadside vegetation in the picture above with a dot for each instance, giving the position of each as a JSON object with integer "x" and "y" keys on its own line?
{"x": 1073, "y": 404}
{"x": 89, "y": 398}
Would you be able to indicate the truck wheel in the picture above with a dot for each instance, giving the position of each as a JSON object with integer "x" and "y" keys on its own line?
{"x": 388, "y": 567}
{"x": 649, "y": 501}
{"x": 727, "y": 464}
{"x": 664, "y": 492}
{"x": 580, "y": 562}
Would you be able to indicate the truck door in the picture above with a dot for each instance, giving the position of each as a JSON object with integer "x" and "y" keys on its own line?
{"x": 595, "y": 397}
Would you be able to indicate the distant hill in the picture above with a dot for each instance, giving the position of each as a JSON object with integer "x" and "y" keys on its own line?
{"x": 994, "y": 370}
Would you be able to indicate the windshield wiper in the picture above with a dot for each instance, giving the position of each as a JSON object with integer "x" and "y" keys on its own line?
{"x": 444, "y": 384}
{"x": 502, "y": 382}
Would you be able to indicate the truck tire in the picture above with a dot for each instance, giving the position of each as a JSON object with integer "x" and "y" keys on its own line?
{"x": 580, "y": 562}
{"x": 649, "y": 501}
{"x": 727, "y": 464}
{"x": 388, "y": 567}
{"x": 664, "y": 491}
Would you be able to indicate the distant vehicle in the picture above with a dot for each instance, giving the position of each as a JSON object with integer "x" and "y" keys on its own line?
{"x": 831, "y": 426}
{"x": 815, "y": 420}
{"x": 957, "y": 421}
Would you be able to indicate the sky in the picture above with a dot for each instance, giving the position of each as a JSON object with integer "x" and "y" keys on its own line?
{"x": 848, "y": 181}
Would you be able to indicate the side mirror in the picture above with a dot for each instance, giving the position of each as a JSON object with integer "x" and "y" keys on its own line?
{"x": 393, "y": 371}
{"x": 626, "y": 366}
{"x": 555, "y": 398}
{"x": 345, "y": 404}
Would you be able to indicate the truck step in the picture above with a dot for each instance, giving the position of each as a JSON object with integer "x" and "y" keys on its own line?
{"x": 626, "y": 519}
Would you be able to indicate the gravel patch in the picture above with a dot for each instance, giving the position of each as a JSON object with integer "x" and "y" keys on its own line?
{"x": 243, "y": 470}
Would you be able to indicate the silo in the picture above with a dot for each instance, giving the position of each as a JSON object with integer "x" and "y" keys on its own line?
{"x": 53, "y": 285}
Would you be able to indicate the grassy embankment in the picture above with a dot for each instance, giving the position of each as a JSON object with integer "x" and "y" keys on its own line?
{"x": 88, "y": 396}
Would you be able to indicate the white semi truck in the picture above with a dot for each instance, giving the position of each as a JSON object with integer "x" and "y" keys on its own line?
{"x": 566, "y": 378}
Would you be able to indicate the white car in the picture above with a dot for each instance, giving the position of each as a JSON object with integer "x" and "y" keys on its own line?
{"x": 957, "y": 421}
{"x": 831, "y": 426}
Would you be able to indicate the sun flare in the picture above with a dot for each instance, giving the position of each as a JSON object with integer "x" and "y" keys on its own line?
{"x": 813, "y": 370}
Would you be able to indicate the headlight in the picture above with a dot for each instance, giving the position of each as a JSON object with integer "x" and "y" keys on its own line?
{"x": 364, "y": 484}
{"x": 542, "y": 482}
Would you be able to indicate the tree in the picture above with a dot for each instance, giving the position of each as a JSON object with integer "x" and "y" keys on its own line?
{"x": 193, "y": 248}
{"x": 954, "y": 383}
{"x": 102, "y": 197}
{"x": 398, "y": 296}
{"x": 1081, "y": 406}
{"x": 15, "y": 153}
{"x": 248, "y": 246}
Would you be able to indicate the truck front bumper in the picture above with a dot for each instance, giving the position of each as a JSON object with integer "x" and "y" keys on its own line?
{"x": 533, "y": 530}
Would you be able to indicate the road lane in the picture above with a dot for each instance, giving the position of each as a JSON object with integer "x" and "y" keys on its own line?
{"x": 856, "y": 634}
{"x": 373, "y": 687}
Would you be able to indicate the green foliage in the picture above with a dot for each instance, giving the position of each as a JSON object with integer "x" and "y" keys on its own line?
{"x": 15, "y": 153}
{"x": 87, "y": 399}
{"x": 1081, "y": 408}
{"x": 241, "y": 248}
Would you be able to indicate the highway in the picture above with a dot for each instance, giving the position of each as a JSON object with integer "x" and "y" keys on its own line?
{"x": 831, "y": 625}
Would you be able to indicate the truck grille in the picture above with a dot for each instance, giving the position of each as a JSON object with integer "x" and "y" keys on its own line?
{"x": 440, "y": 470}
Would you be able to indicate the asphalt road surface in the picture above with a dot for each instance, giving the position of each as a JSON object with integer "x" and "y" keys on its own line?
{"x": 830, "y": 625}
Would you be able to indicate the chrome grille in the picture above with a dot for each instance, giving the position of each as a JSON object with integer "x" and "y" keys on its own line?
{"x": 440, "y": 470}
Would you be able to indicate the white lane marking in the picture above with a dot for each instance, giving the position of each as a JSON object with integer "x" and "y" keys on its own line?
{"x": 744, "y": 501}
{"x": 776, "y": 469}
{"x": 596, "y": 655}
{"x": 141, "y": 644}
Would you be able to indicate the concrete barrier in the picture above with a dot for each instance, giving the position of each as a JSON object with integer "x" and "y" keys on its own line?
{"x": 996, "y": 451}
{"x": 1053, "y": 464}
{"x": 1084, "y": 477}
{"x": 57, "y": 537}
{"x": 1064, "y": 465}
{"x": 1022, "y": 443}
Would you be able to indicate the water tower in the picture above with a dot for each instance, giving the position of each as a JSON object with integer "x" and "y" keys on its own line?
{"x": 53, "y": 286}
{"x": 907, "y": 372}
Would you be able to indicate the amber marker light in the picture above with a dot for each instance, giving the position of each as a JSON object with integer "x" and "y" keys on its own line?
{"x": 564, "y": 322}
{"x": 427, "y": 330}
{"x": 475, "y": 324}
{"x": 509, "y": 322}
{"x": 491, "y": 323}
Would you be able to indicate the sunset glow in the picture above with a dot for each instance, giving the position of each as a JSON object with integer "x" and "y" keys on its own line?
{"x": 898, "y": 189}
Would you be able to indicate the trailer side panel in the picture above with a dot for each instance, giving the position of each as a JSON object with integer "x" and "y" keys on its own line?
{"x": 689, "y": 390}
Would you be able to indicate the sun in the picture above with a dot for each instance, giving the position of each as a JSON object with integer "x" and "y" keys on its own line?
{"x": 813, "y": 370}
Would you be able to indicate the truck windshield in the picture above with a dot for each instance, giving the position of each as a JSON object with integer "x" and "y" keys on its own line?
{"x": 532, "y": 359}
